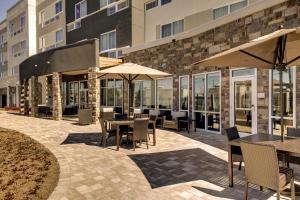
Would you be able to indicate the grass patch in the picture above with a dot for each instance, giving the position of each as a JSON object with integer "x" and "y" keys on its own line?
{"x": 28, "y": 169}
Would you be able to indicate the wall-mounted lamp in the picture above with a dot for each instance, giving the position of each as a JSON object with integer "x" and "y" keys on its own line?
{"x": 35, "y": 65}
{"x": 48, "y": 62}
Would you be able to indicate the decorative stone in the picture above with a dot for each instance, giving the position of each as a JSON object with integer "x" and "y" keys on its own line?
{"x": 94, "y": 92}
{"x": 56, "y": 96}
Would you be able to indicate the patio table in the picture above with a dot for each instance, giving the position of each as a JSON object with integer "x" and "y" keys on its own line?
{"x": 289, "y": 146}
{"x": 118, "y": 123}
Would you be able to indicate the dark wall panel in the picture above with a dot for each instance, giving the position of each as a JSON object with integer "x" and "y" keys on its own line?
{"x": 96, "y": 24}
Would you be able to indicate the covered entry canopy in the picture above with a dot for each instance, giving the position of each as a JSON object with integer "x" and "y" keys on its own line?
{"x": 69, "y": 59}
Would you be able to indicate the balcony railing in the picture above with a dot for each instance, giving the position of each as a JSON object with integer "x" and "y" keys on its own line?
{"x": 12, "y": 34}
{"x": 51, "y": 20}
{"x": 58, "y": 44}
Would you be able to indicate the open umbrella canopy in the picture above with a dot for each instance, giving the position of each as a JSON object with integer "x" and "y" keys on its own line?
{"x": 263, "y": 52}
{"x": 131, "y": 71}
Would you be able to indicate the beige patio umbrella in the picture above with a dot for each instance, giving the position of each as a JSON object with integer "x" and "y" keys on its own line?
{"x": 277, "y": 50}
{"x": 131, "y": 72}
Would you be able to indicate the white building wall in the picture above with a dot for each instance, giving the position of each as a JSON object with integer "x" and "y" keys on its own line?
{"x": 180, "y": 9}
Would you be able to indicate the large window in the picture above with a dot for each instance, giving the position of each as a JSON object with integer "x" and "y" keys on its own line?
{"x": 111, "y": 92}
{"x": 81, "y": 9}
{"x": 22, "y": 21}
{"x": 143, "y": 94}
{"x": 184, "y": 93}
{"x": 108, "y": 41}
{"x": 59, "y": 36}
{"x": 58, "y": 7}
{"x": 114, "y": 6}
{"x": 172, "y": 28}
{"x": 164, "y": 93}
{"x": 288, "y": 100}
{"x": 164, "y": 2}
{"x": 206, "y": 101}
{"x": 227, "y": 9}
{"x": 151, "y": 4}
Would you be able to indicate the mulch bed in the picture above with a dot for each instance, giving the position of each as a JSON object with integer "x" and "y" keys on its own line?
{"x": 28, "y": 170}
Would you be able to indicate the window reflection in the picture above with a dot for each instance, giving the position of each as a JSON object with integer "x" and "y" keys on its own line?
{"x": 111, "y": 92}
{"x": 143, "y": 94}
{"x": 213, "y": 92}
{"x": 164, "y": 93}
{"x": 288, "y": 100}
{"x": 184, "y": 92}
{"x": 287, "y": 93}
{"x": 199, "y": 90}
{"x": 206, "y": 97}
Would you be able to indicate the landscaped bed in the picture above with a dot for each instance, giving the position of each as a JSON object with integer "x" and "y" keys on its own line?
{"x": 28, "y": 170}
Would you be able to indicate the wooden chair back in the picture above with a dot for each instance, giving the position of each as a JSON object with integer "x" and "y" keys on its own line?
{"x": 140, "y": 129}
{"x": 261, "y": 164}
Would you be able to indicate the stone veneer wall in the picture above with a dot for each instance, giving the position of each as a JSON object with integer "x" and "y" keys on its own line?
{"x": 94, "y": 92}
{"x": 56, "y": 94}
{"x": 177, "y": 57}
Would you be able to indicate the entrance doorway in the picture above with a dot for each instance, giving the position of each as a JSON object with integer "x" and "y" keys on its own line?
{"x": 243, "y": 100}
{"x": 3, "y": 100}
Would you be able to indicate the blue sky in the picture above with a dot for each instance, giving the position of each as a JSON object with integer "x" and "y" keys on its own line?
{"x": 4, "y": 5}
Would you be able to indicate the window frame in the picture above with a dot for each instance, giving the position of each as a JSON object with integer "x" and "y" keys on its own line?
{"x": 115, "y": 88}
{"x": 162, "y": 4}
{"x": 79, "y": 3}
{"x": 150, "y": 2}
{"x": 59, "y": 1}
{"x": 156, "y": 92}
{"x": 109, "y": 49}
{"x": 271, "y": 116}
{"x": 206, "y": 111}
{"x": 228, "y": 8}
{"x": 172, "y": 28}
{"x": 62, "y": 32}
{"x": 188, "y": 96}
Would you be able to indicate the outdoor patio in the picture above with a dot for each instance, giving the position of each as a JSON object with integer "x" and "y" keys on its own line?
{"x": 181, "y": 166}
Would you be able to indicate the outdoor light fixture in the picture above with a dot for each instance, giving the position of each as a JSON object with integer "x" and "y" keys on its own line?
{"x": 48, "y": 62}
{"x": 35, "y": 65}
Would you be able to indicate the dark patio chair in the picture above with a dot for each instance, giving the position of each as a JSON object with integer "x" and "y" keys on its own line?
{"x": 232, "y": 134}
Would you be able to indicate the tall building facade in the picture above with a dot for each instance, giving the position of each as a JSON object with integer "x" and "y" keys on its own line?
{"x": 3, "y": 64}
{"x": 51, "y": 24}
{"x": 117, "y": 24}
{"x": 164, "y": 18}
{"x": 21, "y": 43}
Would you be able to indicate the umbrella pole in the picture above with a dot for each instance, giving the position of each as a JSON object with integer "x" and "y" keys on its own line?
{"x": 129, "y": 98}
{"x": 281, "y": 105}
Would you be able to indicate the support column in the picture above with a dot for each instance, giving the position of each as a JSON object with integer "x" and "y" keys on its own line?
{"x": 94, "y": 94}
{"x": 24, "y": 101}
{"x": 56, "y": 95}
{"x": 18, "y": 96}
{"x": 8, "y": 96}
{"x": 34, "y": 96}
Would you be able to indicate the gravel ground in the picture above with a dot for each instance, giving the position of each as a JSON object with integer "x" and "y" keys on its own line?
{"x": 28, "y": 169}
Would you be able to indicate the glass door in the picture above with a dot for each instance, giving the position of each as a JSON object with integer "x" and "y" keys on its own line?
{"x": 83, "y": 94}
{"x": 243, "y": 101}
{"x": 243, "y": 106}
